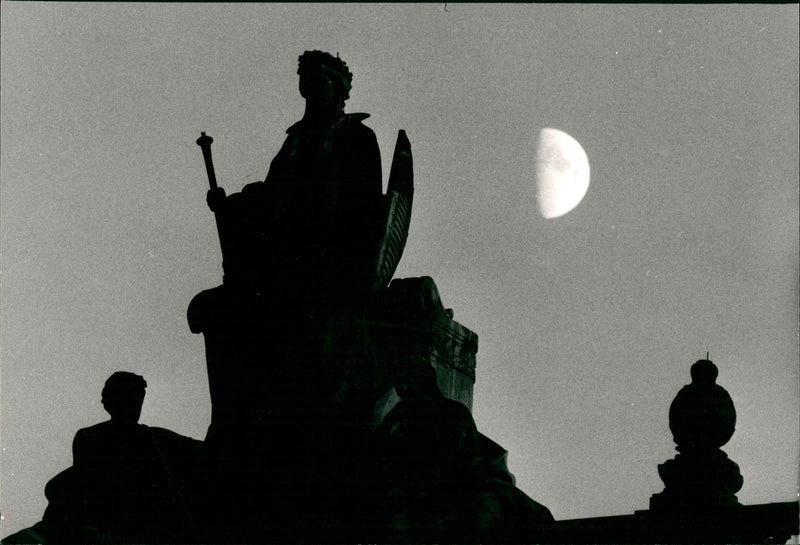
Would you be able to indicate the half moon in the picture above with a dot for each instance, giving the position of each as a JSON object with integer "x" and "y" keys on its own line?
{"x": 562, "y": 173}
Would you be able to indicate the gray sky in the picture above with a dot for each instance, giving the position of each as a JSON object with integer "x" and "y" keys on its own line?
{"x": 686, "y": 241}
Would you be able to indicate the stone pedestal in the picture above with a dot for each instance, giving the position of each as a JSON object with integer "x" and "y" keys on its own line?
{"x": 264, "y": 358}
{"x": 409, "y": 325}
{"x": 295, "y": 388}
{"x": 698, "y": 481}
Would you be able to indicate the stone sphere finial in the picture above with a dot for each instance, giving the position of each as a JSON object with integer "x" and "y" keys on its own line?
{"x": 702, "y": 419}
{"x": 702, "y": 416}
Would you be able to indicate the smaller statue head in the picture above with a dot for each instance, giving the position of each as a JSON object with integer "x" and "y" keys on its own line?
{"x": 123, "y": 395}
{"x": 324, "y": 79}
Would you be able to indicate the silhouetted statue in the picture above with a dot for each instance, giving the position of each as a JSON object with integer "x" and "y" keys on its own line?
{"x": 702, "y": 419}
{"x": 308, "y": 348}
{"x": 309, "y": 231}
{"x": 119, "y": 464}
{"x": 129, "y": 483}
{"x": 436, "y": 478}
{"x": 303, "y": 251}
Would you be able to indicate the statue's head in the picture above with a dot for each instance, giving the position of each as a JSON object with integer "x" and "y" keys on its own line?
{"x": 123, "y": 395}
{"x": 324, "y": 78}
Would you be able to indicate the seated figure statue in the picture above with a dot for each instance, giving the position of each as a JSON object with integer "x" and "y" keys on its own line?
{"x": 309, "y": 231}
{"x": 303, "y": 251}
{"x": 132, "y": 476}
{"x": 436, "y": 478}
{"x": 129, "y": 483}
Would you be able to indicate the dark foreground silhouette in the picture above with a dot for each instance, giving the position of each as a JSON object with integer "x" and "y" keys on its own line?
{"x": 340, "y": 400}
{"x": 328, "y": 423}
{"x": 128, "y": 482}
{"x": 424, "y": 474}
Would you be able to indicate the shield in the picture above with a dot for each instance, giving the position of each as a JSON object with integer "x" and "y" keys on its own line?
{"x": 397, "y": 218}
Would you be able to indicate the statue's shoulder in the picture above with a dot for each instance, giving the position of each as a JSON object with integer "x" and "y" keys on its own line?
{"x": 353, "y": 129}
{"x": 355, "y": 122}
{"x": 347, "y": 122}
{"x": 295, "y": 127}
{"x": 91, "y": 431}
{"x": 356, "y": 118}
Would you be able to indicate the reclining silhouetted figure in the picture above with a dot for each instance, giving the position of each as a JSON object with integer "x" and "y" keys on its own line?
{"x": 438, "y": 479}
{"x": 123, "y": 466}
{"x": 128, "y": 483}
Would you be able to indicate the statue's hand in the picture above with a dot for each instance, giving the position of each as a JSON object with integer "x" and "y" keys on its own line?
{"x": 214, "y": 198}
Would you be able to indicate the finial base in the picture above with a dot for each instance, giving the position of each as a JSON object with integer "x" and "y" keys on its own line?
{"x": 698, "y": 479}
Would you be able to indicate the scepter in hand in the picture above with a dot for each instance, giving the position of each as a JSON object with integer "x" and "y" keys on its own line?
{"x": 215, "y": 194}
